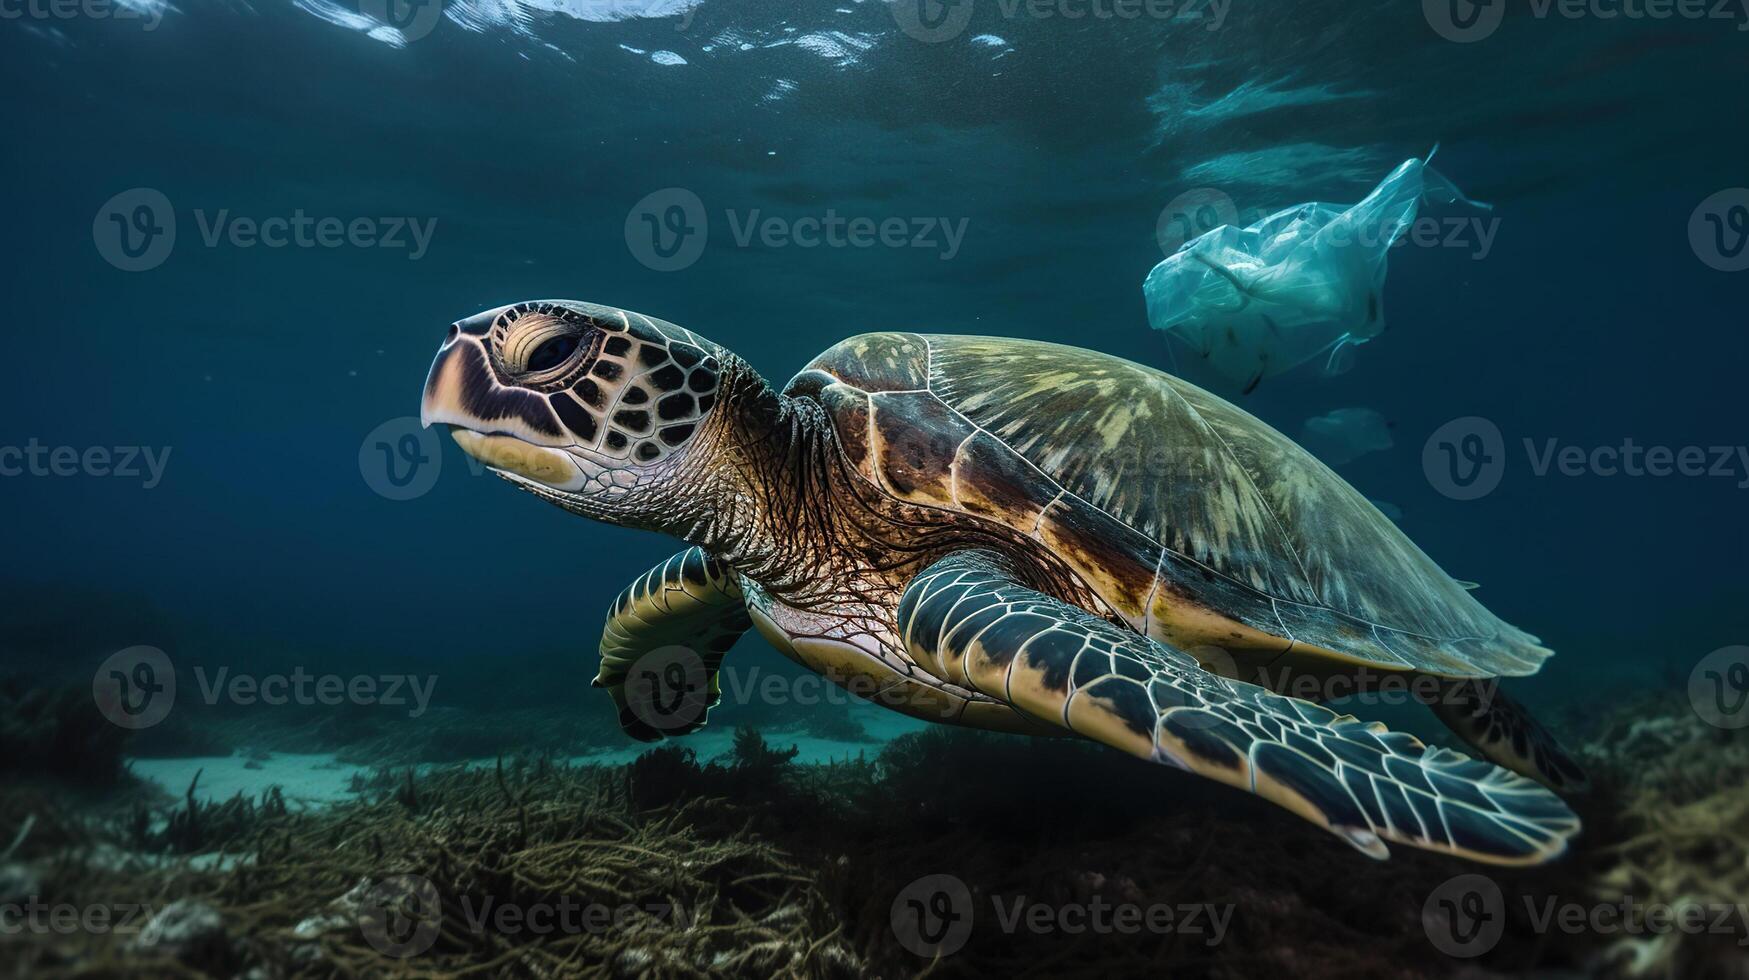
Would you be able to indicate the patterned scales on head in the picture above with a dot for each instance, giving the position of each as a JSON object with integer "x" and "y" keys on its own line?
{"x": 635, "y": 394}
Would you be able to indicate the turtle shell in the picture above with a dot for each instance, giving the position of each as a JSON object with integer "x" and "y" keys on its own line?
{"x": 1194, "y": 521}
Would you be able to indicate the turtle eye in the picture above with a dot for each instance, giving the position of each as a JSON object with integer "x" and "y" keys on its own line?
{"x": 543, "y": 347}
{"x": 552, "y": 352}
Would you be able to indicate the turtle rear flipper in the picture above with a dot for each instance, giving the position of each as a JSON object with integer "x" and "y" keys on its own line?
{"x": 1503, "y": 732}
{"x": 970, "y": 621}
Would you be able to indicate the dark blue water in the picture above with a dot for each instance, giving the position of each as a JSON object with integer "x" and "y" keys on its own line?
{"x": 528, "y": 137}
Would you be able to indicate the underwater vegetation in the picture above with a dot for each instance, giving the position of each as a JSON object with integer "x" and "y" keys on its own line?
{"x": 294, "y": 893}
{"x": 756, "y": 865}
{"x": 58, "y": 731}
{"x": 1680, "y": 799}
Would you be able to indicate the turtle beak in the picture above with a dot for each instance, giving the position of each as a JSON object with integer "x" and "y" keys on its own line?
{"x": 459, "y": 361}
{"x": 508, "y": 428}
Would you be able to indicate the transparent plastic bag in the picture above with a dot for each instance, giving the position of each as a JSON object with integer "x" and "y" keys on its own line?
{"x": 1305, "y": 281}
{"x": 1346, "y": 434}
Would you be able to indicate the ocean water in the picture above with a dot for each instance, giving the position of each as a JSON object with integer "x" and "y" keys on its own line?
{"x": 237, "y": 230}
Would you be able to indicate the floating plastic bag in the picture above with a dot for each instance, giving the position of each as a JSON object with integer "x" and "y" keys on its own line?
{"x": 1346, "y": 434}
{"x": 1305, "y": 281}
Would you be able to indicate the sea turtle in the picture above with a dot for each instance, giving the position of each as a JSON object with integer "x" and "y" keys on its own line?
{"x": 1017, "y": 536}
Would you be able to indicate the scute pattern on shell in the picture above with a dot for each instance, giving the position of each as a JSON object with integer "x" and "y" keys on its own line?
{"x": 1140, "y": 469}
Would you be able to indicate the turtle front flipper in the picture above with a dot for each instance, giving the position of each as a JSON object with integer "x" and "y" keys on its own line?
{"x": 1506, "y": 734}
{"x": 664, "y": 642}
{"x": 969, "y": 620}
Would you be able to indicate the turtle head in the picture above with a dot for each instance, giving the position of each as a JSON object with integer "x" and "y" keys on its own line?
{"x": 597, "y": 409}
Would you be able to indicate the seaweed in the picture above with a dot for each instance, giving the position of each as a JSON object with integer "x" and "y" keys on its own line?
{"x": 57, "y": 732}
{"x": 759, "y": 865}
{"x": 753, "y": 771}
{"x": 1677, "y": 835}
{"x": 199, "y": 826}
{"x": 310, "y": 895}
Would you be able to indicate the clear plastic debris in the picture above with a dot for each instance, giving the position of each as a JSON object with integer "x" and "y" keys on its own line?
{"x": 1302, "y": 283}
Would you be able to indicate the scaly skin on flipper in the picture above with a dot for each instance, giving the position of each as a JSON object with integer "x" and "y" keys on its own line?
{"x": 969, "y": 620}
{"x": 685, "y": 613}
{"x": 1506, "y": 734}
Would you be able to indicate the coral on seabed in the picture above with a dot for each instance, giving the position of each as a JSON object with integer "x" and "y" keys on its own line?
{"x": 1680, "y": 843}
{"x": 759, "y": 865}
{"x": 57, "y": 732}
{"x": 525, "y": 868}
